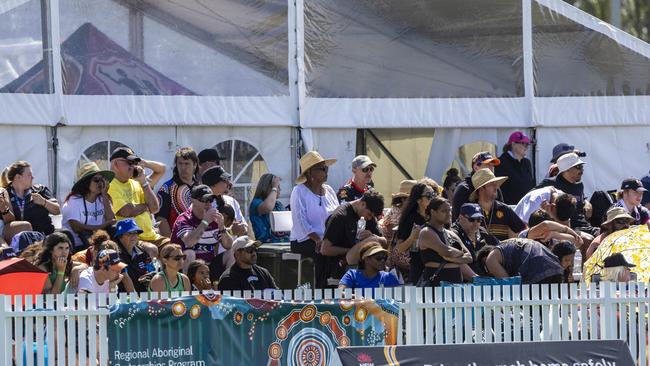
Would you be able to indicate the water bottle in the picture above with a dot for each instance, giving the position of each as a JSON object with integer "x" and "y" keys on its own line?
{"x": 361, "y": 226}
{"x": 577, "y": 262}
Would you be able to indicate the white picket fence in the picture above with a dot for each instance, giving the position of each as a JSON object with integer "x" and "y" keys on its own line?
{"x": 71, "y": 329}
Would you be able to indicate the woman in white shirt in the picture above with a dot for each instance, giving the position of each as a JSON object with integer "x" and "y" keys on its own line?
{"x": 312, "y": 201}
{"x": 88, "y": 207}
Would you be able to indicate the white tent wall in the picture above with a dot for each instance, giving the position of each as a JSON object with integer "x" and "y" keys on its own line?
{"x": 27, "y": 143}
{"x": 337, "y": 143}
{"x": 613, "y": 153}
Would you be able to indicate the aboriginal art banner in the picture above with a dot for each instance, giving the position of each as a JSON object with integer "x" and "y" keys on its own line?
{"x": 563, "y": 353}
{"x": 219, "y": 330}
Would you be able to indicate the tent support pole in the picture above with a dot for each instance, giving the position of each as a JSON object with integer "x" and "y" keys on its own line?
{"x": 390, "y": 156}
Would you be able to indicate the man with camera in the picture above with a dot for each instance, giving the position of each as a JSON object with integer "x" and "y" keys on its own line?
{"x": 132, "y": 194}
{"x": 201, "y": 232}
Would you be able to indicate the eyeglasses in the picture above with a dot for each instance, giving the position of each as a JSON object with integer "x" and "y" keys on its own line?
{"x": 380, "y": 257}
{"x": 178, "y": 257}
{"x": 368, "y": 169}
{"x": 208, "y": 200}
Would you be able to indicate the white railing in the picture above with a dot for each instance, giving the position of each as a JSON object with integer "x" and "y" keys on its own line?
{"x": 34, "y": 326}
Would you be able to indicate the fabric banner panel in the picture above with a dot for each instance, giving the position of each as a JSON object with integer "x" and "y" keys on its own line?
{"x": 566, "y": 353}
{"x": 219, "y": 330}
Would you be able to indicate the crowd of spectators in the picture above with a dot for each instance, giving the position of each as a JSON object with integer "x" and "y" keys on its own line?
{"x": 118, "y": 234}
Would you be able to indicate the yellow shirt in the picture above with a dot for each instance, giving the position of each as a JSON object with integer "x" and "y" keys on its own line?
{"x": 132, "y": 192}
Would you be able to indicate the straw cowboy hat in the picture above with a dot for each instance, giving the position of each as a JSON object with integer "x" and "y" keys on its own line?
{"x": 405, "y": 187}
{"x": 483, "y": 177}
{"x": 617, "y": 213}
{"x": 309, "y": 160}
{"x": 88, "y": 171}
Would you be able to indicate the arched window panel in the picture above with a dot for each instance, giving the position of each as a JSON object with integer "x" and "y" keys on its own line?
{"x": 167, "y": 48}
{"x": 21, "y": 49}
{"x": 415, "y": 49}
{"x": 99, "y": 153}
{"x": 571, "y": 59}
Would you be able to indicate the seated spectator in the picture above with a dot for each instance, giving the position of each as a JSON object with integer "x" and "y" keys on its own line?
{"x": 471, "y": 233}
{"x": 444, "y": 256}
{"x": 133, "y": 253}
{"x": 55, "y": 258}
{"x": 105, "y": 274}
{"x": 132, "y": 191}
{"x": 482, "y": 160}
{"x": 199, "y": 274}
{"x": 170, "y": 278}
{"x": 412, "y": 218}
{"x": 437, "y": 190}
{"x": 616, "y": 269}
{"x": 208, "y": 158}
{"x": 201, "y": 231}
{"x": 565, "y": 252}
{"x": 312, "y": 201}
{"x": 264, "y": 201}
{"x": 31, "y": 203}
{"x": 540, "y": 198}
{"x": 245, "y": 274}
{"x": 630, "y": 197}
{"x": 174, "y": 194}
{"x": 500, "y": 220}
{"x": 372, "y": 270}
{"x": 389, "y": 224}
{"x": 87, "y": 207}
{"x": 617, "y": 219}
{"x": 219, "y": 182}
{"x": 527, "y": 258}
{"x": 361, "y": 181}
{"x": 452, "y": 179}
{"x": 96, "y": 242}
{"x": 558, "y": 151}
{"x": 543, "y": 229}
{"x": 343, "y": 239}
{"x": 516, "y": 167}
{"x": 24, "y": 239}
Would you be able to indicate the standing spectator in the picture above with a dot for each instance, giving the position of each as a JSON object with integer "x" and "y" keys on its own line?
{"x": 264, "y": 201}
{"x": 516, "y": 167}
{"x": 208, "y": 158}
{"x": 482, "y": 160}
{"x": 174, "y": 195}
{"x": 412, "y": 218}
{"x": 33, "y": 203}
{"x": 444, "y": 256}
{"x": 500, "y": 220}
{"x": 88, "y": 207}
{"x": 132, "y": 194}
{"x": 132, "y": 253}
{"x": 245, "y": 274}
{"x": 527, "y": 258}
{"x": 452, "y": 179}
{"x": 312, "y": 201}
{"x": 201, "y": 232}
{"x": 560, "y": 150}
{"x": 361, "y": 181}
{"x": 372, "y": 270}
{"x": 219, "y": 182}
{"x": 630, "y": 198}
{"x": 170, "y": 278}
{"x": 617, "y": 219}
{"x": 344, "y": 236}
{"x": 471, "y": 233}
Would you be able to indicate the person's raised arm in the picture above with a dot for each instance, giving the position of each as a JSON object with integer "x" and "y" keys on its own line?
{"x": 157, "y": 168}
{"x": 269, "y": 202}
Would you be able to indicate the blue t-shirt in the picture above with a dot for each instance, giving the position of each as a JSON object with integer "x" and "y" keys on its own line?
{"x": 354, "y": 278}
{"x": 262, "y": 223}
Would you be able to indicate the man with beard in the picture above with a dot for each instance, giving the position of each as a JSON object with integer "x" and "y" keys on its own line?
{"x": 482, "y": 160}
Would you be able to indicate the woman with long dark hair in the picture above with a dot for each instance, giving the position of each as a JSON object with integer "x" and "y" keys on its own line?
{"x": 412, "y": 218}
{"x": 55, "y": 258}
{"x": 441, "y": 250}
{"x": 264, "y": 201}
{"x": 87, "y": 207}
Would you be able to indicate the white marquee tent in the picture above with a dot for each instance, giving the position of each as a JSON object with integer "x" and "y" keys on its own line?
{"x": 258, "y": 78}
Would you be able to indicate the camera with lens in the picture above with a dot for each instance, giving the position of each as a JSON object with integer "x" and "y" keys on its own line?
{"x": 581, "y": 154}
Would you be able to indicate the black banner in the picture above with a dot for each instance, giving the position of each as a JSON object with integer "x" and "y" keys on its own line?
{"x": 564, "y": 353}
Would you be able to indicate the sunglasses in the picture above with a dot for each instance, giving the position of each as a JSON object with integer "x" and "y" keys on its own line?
{"x": 368, "y": 169}
{"x": 178, "y": 257}
{"x": 250, "y": 250}
{"x": 206, "y": 200}
{"x": 98, "y": 179}
{"x": 380, "y": 257}
{"x": 321, "y": 168}
{"x": 478, "y": 219}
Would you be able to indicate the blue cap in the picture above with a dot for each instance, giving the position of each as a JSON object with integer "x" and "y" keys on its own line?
{"x": 126, "y": 226}
{"x": 471, "y": 210}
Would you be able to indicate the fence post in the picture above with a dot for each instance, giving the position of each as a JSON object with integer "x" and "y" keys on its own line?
{"x": 608, "y": 316}
{"x": 411, "y": 317}
{"x": 4, "y": 337}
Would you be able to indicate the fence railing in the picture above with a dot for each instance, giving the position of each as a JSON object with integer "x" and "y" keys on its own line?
{"x": 71, "y": 329}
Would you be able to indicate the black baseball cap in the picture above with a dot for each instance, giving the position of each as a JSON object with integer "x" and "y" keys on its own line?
{"x": 633, "y": 183}
{"x": 202, "y": 192}
{"x": 209, "y": 155}
{"x": 125, "y": 153}
{"x": 214, "y": 175}
{"x": 616, "y": 260}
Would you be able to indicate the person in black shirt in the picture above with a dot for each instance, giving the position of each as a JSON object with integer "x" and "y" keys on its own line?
{"x": 344, "y": 237}
{"x": 469, "y": 230}
{"x": 412, "y": 218}
{"x": 361, "y": 181}
{"x": 516, "y": 167}
{"x": 481, "y": 160}
{"x": 245, "y": 274}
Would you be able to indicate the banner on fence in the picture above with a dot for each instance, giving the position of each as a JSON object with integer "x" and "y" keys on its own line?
{"x": 218, "y": 330}
{"x": 564, "y": 353}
